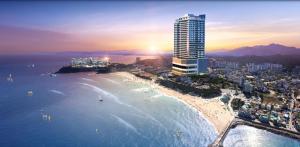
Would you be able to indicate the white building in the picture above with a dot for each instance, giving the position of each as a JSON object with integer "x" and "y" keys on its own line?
{"x": 90, "y": 62}
{"x": 248, "y": 87}
{"x": 189, "y": 45}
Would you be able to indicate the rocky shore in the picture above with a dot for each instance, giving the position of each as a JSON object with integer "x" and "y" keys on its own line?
{"x": 70, "y": 69}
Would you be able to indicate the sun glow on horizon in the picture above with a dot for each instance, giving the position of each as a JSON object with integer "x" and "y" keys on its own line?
{"x": 64, "y": 28}
{"x": 153, "y": 49}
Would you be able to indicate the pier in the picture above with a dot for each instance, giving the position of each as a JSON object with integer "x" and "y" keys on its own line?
{"x": 280, "y": 131}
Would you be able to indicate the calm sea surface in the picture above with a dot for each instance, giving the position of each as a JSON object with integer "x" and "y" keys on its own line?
{"x": 245, "y": 136}
{"x": 65, "y": 110}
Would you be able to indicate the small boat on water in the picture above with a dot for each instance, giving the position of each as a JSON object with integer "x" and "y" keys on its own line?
{"x": 100, "y": 99}
{"x": 97, "y": 131}
{"x": 29, "y": 93}
{"x": 44, "y": 116}
{"x": 178, "y": 133}
{"x": 52, "y": 75}
{"x": 31, "y": 65}
{"x": 9, "y": 78}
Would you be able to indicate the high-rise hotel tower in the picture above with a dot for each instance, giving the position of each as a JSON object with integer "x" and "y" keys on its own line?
{"x": 189, "y": 44}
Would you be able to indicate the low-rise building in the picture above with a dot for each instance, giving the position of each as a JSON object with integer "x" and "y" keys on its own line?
{"x": 264, "y": 118}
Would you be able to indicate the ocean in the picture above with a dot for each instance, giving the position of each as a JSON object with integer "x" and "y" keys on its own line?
{"x": 65, "y": 110}
{"x": 37, "y": 109}
{"x": 246, "y": 136}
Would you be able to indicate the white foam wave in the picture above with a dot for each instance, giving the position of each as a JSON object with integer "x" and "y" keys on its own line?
{"x": 125, "y": 80}
{"x": 157, "y": 95}
{"x": 112, "y": 81}
{"x": 87, "y": 79}
{"x": 57, "y": 92}
{"x": 116, "y": 99}
{"x": 143, "y": 89}
{"x": 103, "y": 92}
{"x": 126, "y": 124}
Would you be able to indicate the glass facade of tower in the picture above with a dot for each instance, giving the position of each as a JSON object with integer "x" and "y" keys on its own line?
{"x": 189, "y": 45}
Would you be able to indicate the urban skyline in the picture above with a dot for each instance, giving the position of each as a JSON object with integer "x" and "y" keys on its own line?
{"x": 82, "y": 26}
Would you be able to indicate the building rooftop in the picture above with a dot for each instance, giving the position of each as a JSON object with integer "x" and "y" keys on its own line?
{"x": 192, "y": 17}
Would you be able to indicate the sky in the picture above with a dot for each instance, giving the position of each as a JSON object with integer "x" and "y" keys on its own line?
{"x": 30, "y": 27}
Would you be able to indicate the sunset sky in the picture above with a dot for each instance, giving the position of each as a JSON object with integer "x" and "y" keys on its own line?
{"x": 28, "y": 27}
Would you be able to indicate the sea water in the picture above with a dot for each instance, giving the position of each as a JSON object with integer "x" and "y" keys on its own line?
{"x": 246, "y": 136}
{"x": 65, "y": 110}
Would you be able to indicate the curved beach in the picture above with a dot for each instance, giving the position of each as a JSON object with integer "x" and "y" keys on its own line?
{"x": 213, "y": 109}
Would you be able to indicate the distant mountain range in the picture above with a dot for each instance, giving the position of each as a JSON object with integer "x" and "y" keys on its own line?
{"x": 108, "y": 52}
{"x": 259, "y": 50}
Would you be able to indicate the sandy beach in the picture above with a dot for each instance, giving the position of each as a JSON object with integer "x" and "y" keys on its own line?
{"x": 212, "y": 109}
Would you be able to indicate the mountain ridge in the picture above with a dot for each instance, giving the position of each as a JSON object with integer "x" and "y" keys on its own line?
{"x": 259, "y": 50}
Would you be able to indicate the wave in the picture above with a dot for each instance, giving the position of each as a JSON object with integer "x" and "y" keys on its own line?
{"x": 126, "y": 124}
{"x": 57, "y": 92}
{"x": 125, "y": 80}
{"x": 103, "y": 92}
{"x": 144, "y": 89}
{"x": 87, "y": 79}
{"x": 116, "y": 99}
{"x": 157, "y": 95}
{"x": 112, "y": 81}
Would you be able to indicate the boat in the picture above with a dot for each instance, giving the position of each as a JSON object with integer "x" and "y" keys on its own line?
{"x": 97, "y": 131}
{"x": 44, "y": 116}
{"x": 29, "y": 93}
{"x": 100, "y": 99}
{"x": 178, "y": 133}
{"x": 31, "y": 65}
{"x": 52, "y": 75}
{"x": 9, "y": 78}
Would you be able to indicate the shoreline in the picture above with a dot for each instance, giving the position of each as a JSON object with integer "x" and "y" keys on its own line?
{"x": 213, "y": 110}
